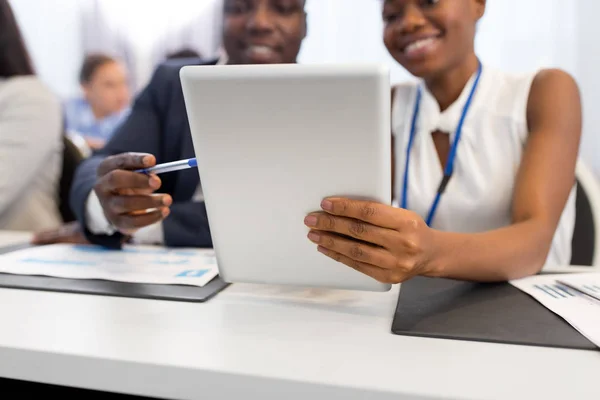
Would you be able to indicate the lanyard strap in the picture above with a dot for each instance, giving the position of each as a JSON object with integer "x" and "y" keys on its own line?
{"x": 449, "y": 168}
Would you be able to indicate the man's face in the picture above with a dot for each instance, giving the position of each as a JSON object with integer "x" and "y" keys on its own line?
{"x": 263, "y": 31}
{"x": 107, "y": 90}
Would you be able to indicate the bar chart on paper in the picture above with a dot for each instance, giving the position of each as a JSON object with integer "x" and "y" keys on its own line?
{"x": 136, "y": 264}
{"x": 579, "y": 309}
{"x": 586, "y": 283}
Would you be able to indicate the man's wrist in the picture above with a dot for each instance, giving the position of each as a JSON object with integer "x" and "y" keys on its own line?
{"x": 95, "y": 220}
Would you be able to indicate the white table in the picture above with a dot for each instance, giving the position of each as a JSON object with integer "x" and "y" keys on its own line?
{"x": 268, "y": 343}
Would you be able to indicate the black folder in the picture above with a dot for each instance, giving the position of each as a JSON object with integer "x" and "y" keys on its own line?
{"x": 485, "y": 312}
{"x": 185, "y": 293}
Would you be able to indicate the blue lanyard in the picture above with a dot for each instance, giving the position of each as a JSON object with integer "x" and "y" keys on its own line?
{"x": 449, "y": 169}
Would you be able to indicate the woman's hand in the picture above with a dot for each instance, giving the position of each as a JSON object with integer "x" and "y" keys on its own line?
{"x": 389, "y": 244}
{"x": 68, "y": 233}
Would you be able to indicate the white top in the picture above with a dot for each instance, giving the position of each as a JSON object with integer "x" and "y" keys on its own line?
{"x": 479, "y": 195}
{"x": 30, "y": 155}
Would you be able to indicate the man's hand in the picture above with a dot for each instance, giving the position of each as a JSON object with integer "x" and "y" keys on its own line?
{"x": 127, "y": 197}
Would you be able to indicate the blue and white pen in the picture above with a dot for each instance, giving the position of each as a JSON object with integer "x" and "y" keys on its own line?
{"x": 169, "y": 167}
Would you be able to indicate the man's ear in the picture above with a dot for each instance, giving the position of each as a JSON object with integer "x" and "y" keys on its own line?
{"x": 480, "y": 7}
{"x": 305, "y": 25}
{"x": 85, "y": 88}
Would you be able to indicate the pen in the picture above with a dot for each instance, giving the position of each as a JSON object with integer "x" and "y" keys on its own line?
{"x": 170, "y": 166}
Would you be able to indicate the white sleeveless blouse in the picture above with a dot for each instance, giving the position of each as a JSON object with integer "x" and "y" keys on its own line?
{"x": 479, "y": 195}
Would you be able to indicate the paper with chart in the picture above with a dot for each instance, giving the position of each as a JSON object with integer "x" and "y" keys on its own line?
{"x": 139, "y": 264}
{"x": 579, "y": 310}
{"x": 588, "y": 283}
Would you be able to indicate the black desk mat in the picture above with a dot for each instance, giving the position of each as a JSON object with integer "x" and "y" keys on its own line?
{"x": 184, "y": 293}
{"x": 498, "y": 313}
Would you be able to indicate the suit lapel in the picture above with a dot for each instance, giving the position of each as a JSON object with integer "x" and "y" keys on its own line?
{"x": 188, "y": 179}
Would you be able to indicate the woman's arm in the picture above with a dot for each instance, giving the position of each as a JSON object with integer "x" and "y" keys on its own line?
{"x": 393, "y": 245}
{"x": 545, "y": 179}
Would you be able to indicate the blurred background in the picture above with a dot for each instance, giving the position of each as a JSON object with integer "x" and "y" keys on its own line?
{"x": 515, "y": 35}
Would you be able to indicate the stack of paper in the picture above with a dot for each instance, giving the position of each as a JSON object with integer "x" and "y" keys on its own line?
{"x": 139, "y": 264}
{"x": 563, "y": 295}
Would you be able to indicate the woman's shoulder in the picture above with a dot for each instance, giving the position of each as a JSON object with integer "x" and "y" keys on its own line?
{"x": 505, "y": 93}
{"x": 404, "y": 88}
{"x": 543, "y": 101}
{"x": 403, "y": 93}
{"x": 28, "y": 99}
{"x": 502, "y": 82}
{"x": 515, "y": 95}
{"x": 553, "y": 78}
{"x": 27, "y": 89}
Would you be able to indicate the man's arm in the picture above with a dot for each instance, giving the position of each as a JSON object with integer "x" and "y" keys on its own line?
{"x": 187, "y": 223}
{"x": 140, "y": 132}
{"x": 86, "y": 209}
{"x": 187, "y": 226}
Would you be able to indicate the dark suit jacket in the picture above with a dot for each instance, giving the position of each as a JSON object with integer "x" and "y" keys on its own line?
{"x": 158, "y": 125}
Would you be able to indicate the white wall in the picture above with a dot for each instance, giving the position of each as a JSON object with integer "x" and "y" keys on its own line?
{"x": 340, "y": 32}
{"x": 52, "y": 33}
{"x": 56, "y": 37}
{"x": 588, "y": 75}
{"x": 524, "y": 35}
{"x": 143, "y": 32}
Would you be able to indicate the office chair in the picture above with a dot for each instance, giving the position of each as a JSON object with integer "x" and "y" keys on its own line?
{"x": 586, "y": 236}
{"x": 71, "y": 159}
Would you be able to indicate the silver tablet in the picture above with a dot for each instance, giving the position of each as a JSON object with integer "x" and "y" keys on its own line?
{"x": 272, "y": 141}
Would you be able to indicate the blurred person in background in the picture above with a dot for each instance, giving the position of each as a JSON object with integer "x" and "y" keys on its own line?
{"x": 105, "y": 103}
{"x": 30, "y": 137}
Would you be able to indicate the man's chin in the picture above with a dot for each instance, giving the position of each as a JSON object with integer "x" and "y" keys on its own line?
{"x": 262, "y": 57}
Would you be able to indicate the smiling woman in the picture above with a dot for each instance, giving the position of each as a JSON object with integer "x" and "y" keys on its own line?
{"x": 484, "y": 161}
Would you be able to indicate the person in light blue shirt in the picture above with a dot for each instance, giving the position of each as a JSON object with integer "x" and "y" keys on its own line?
{"x": 105, "y": 102}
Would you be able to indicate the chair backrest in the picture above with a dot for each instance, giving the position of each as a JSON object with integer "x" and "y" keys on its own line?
{"x": 71, "y": 159}
{"x": 586, "y": 236}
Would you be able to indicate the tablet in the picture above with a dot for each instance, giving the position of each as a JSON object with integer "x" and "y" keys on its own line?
{"x": 271, "y": 142}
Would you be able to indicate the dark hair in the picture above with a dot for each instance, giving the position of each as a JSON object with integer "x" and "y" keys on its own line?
{"x": 183, "y": 53}
{"x": 91, "y": 63}
{"x": 14, "y": 58}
